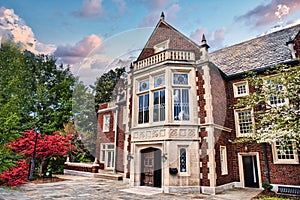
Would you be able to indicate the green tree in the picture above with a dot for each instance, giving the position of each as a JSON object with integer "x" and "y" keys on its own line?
{"x": 33, "y": 91}
{"x": 105, "y": 85}
{"x": 276, "y": 105}
{"x": 84, "y": 122}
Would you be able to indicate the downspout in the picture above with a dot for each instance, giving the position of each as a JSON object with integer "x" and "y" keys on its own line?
{"x": 266, "y": 163}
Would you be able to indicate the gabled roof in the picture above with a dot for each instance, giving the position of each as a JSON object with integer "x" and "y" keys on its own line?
{"x": 164, "y": 31}
{"x": 258, "y": 53}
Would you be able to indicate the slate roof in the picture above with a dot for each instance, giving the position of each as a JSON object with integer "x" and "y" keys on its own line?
{"x": 257, "y": 53}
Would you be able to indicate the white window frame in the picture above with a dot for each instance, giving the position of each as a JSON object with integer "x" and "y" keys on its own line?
{"x": 276, "y": 160}
{"x": 236, "y": 91}
{"x": 223, "y": 160}
{"x": 161, "y": 46}
{"x": 237, "y": 124}
{"x": 105, "y": 125}
{"x": 286, "y": 100}
{"x": 104, "y": 158}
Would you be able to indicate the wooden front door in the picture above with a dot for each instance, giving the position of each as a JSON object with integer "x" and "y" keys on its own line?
{"x": 151, "y": 167}
{"x": 250, "y": 171}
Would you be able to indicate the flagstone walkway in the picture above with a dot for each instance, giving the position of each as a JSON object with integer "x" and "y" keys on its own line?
{"x": 95, "y": 188}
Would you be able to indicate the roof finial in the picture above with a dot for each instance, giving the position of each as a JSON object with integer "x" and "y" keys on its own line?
{"x": 204, "y": 44}
{"x": 162, "y": 16}
{"x": 203, "y": 39}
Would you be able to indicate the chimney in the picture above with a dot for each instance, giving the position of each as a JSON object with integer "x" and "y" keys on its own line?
{"x": 290, "y": 45}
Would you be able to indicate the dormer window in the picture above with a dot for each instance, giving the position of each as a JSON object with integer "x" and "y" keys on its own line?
{"x": 161, "y": 46}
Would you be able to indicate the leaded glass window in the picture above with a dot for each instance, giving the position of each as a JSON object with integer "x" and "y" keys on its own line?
{"x": 182, "y": 159}
{"x": 144, "y": 85}
{"x": 159, "y": 81}
{"x": 180, "y": 79}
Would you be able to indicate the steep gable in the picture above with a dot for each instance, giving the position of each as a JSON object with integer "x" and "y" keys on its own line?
{"x": 176, "y": 40}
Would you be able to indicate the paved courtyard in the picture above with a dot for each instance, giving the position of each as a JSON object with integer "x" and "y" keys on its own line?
{"x": 95, "y": 188}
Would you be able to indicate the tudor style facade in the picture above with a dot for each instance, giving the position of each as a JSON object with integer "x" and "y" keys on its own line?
{"x": 175, "y": 127}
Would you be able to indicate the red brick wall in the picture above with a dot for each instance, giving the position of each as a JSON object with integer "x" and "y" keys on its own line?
{"x": 288, "y": 174}
{"x": 177, "y": 41}
{"x": 297, "y": 46}
{"x": 222, "y": 138}
{"x": 109, "y": 136}
{"x": 200, "y": 94}
{"x": 204, "y": 158}
{"x": 219, "y": 97}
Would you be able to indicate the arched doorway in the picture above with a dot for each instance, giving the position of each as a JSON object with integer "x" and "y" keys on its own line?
{"x": 151, "y": 167}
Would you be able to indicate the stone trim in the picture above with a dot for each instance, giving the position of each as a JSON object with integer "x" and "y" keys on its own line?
{"x": 182, "y": 189}
{"x": 218, "y": 189}
{"x": 217, "y": 127}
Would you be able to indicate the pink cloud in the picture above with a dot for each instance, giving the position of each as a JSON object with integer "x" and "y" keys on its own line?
{"x": 214, "y": 39}
{"x": 265, "y": 14}
{"x": 90, "y": 8}
{"x": 72, "y": 54}
{"x": 155, "y": 8}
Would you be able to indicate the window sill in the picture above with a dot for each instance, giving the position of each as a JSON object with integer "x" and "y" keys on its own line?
{"x": 286, "y": 162}
{"x": 183, "y": 174}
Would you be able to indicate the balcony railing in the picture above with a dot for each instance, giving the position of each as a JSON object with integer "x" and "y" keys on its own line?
{"x": 168, "y": 54}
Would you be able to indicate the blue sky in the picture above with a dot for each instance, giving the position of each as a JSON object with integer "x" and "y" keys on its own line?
{"x": 91, "y": 34}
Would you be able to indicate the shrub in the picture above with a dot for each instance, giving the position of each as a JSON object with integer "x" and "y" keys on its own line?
{"x": 267, "y": 186}
{"x": 16, "y": 175}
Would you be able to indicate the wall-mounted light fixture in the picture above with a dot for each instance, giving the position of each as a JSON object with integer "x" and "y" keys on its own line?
{"x": 246, "y": 149}
{"x": 129, "y": 157}
{"x": 164, "y": 157}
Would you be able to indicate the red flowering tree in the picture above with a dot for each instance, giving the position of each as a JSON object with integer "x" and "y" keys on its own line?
{"x": 48, "y": 146}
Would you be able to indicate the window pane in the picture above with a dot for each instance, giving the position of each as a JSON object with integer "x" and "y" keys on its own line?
{"x": 141, "y": 105}
{"x": 182, "y": 158}
{"x": 245, "y": 122}
{"x": 103, "y": 156}
{"x": 156, "y": 106}
{"x": 285, "y": 152}
{"x": 159, "y": 106}
{"x": 162, "y": 105}
{"x": 241, "y": 89}
{"x": 146, "y": 109}
{"x": 181, "y": 104}
{"x": 185, "y": 104}
{"x": 177, "y": 106}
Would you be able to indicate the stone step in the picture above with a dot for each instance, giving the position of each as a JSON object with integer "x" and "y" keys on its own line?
{"x": 117, "y": 177}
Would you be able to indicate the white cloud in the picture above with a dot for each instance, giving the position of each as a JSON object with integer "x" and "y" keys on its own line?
{"x": 14, "y": 28}
{"x": 268, "y": 14}
{"x": 282, "y": 10}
